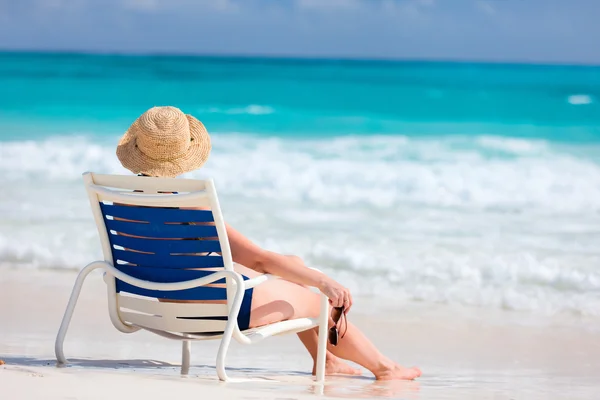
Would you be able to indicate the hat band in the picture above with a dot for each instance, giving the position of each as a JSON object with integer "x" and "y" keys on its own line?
{"x": 170, "y": 156}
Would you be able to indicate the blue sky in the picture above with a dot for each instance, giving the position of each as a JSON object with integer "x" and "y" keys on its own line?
{"x": 492, "y": 30}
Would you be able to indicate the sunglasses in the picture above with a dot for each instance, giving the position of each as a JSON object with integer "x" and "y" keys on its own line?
{"x": 336, "y": 315}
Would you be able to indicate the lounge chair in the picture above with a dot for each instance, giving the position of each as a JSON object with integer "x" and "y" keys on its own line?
{"x": 143, "y": 225}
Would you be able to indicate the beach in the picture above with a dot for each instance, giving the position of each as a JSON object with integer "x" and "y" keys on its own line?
{"x": 459, "y": 203}
{"x": 463, "y": 353}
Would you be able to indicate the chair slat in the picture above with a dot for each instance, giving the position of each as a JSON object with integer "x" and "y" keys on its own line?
{"x": 166, "y": 246}
{"x": 156, "y": 214}
{"x": 153, "y": 230}
{"x": 198, "y": 293}
{"x": 174, "y": 325}
{"x": 149, "y": 183}
{"x": 163, "y": 260}
{"x": 172, "y": 309}
{"x": 165, "y": 275}
{"x": 151, "y": 200}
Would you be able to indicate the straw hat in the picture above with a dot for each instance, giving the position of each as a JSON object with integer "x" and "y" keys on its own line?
{"x": 165, "y": 142}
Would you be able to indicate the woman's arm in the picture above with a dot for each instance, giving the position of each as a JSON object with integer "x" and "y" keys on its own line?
{"x": 290, "y": 268}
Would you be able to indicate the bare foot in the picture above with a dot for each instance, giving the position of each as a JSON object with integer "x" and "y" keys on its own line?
{"x": 398, "y": 372}
{"x": 335, "y": 366}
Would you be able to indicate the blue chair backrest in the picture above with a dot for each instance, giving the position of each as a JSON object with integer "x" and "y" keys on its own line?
{"x": 161, "y": 244}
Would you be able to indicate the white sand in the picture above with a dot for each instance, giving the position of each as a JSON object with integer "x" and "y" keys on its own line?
{"x": 463, "y": 353}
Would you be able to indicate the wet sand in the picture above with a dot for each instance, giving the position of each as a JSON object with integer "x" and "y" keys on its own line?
{"x": 464, "y": 353}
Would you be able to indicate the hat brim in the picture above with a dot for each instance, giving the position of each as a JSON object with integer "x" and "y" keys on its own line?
{"x": 136, "y": 161}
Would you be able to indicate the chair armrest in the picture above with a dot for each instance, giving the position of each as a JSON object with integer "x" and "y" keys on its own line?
{"x": 173, "y": 286}
{"x": 250, "y": 283}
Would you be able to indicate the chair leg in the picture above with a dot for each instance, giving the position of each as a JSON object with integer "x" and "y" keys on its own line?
{"x": 223, "y": 347}
{"x": 231, "y": 324}
{"x": 64, "y": 326}
{"x": 186, "y": 352}
{"x": 322, "y": 349}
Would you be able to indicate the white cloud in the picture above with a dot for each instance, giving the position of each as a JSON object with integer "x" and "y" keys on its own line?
{"x": 329, "y": 4}
{"x": 426, "y": 3}
{"x": 408, "y": 8}
{"x": 158, "y": 5}
{"x": 53, "y": 3}
{"x": 354, "y": 5}
{"x": 142, "y": 5}
{"x": 68, "y": 5}
{"x": 486, "y": 7}
{"x": 223, "y": 5}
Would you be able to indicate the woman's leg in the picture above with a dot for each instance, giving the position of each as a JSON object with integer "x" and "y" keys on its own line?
{"x": 279, "y": 300}
{"x": 265, "y": 310}
{"x": 356, "y": 347}
{"x": 333, "y": 364}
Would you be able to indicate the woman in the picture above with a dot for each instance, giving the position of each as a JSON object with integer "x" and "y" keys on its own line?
{"x": 165, "y": 142}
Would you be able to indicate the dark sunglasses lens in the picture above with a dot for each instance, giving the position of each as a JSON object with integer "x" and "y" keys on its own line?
{"x": 333, "y": 336}
{"x": 336, "y": 314}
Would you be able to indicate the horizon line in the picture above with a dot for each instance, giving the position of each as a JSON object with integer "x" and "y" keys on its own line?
{"x": 291, "y": 57}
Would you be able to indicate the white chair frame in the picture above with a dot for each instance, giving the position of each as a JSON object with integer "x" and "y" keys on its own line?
{"x": 198, "y": 193}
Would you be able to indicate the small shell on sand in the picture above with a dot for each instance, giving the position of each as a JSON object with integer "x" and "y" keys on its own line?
{"x": 2, "y": 362}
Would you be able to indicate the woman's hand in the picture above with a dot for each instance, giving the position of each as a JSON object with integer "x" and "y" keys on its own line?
{"x": 338, "y": 295}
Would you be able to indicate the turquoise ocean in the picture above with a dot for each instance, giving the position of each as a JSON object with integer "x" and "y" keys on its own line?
{"x": 458, "y": 183}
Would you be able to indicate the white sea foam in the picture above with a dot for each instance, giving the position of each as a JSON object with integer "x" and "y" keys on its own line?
{"x": 252, "y": 109}
{"x": 408, "y": 219}
{"x": 513, "y": 145}
{"x": 579, "y": 99}
{"x": 379, "y": 171}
